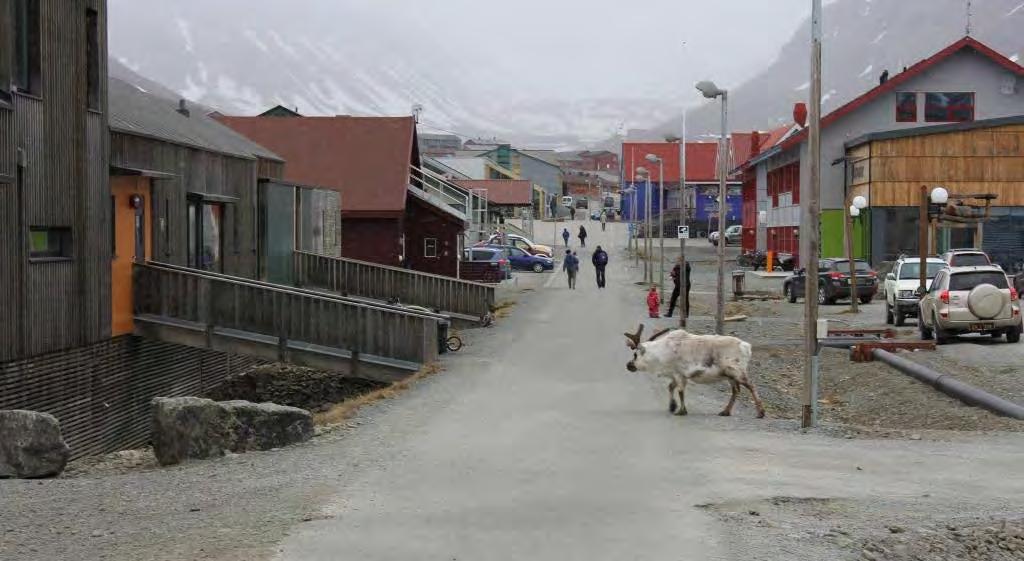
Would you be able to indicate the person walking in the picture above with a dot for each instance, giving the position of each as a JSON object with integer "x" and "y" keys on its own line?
{"x": 600, "y": 261}
{"x": 565, "y": 236}
{"x": 653, "y": 302}
{"x": 583, "y": 236}
{"x": 604, "y": 220}
{"x": 571, "y": 266}
{"x": 572, "y": 213}
{"x": 677, "y": 281}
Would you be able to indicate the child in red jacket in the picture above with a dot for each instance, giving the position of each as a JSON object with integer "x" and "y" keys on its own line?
{"x": 653, "y": 302}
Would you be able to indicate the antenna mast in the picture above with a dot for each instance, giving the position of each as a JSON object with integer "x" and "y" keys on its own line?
{"x": 970, "y": 16}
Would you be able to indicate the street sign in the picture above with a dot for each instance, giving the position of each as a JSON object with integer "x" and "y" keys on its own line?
{"x": 684, "y": 232}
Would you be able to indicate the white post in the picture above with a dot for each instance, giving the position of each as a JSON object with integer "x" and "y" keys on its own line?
{"x": 723, "y": 171}
{"x": 683, "y": 281}
{"x": 661, "y": 224}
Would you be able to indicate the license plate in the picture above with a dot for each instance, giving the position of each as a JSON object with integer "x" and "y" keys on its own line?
{"x": 981, "y": 326}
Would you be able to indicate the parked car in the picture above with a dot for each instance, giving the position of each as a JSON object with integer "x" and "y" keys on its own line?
{"x": 582, "y": 203}
{"x": 520, "y": 242}
{"x": 834, "y": 281}
{"x": 495, "y": 255}
{"x": 970, "y": 300}
{"x": 966, "y": 258}
{"x": 901, "y": 285}
{"x": 733, "y": 235}
{"x": 523, "y": 261}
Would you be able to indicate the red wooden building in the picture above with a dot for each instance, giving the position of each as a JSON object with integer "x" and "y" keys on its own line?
{"x": 368, "y": 159}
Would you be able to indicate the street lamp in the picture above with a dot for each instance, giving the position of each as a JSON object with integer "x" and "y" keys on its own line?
{"x": 858, "y": 204}
{"x": 661, "y": 218}
{"x": 937, "y": 196}
{"x": 709, "y": 90}
{"x": 644, "y": 172}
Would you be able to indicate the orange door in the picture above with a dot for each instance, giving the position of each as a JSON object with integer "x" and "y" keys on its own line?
{"x": 130, "y": 204}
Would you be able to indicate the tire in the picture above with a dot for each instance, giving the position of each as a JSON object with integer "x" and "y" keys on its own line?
{"x": 454, "y": 343}
{"x": 866, "y": 300}
{"x": 900, "y": 319}
{"x": 1013, "y": 335}
{"x": 538, "y": 268}
{"x": 941, "y": 337}
{"x": 926, "y": 332}
{"x": 888, "y": 313}
{"x": 823, "y": 299}
{"x": 791, "y": 290}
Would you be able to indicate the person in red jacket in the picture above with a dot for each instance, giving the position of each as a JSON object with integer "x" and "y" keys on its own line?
{"x": 653, "y": 302}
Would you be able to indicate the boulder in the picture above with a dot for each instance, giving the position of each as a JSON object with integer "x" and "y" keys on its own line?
{"x": 194, "y": 428}
{"x": 31, "y": 445}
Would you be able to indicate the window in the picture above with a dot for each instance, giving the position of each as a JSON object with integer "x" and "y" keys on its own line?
{"x": 27, "y": 70}
{"x": 92, "y": 50}
{"x": 949, "y": 107}
{"x": 913, "y": 270}
{"x": 430, "y": 248}
{"x": 205, "y": 235}
{"x": 967, "y": 281}
{"x": 906, "y": 107}
{"x": 49, "y": 243}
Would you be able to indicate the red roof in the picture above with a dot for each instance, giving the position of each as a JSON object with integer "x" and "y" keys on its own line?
{"x": 501, "y": 191}
{"x": 365, "y": 158}
{"x": 701, "y": 160}
{"x": 742, "y": 147}
{"x": 965, "y": 44}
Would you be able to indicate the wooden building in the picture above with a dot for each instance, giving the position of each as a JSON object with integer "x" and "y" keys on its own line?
{"x": 369, "y": 160}
{"x": 889, "y": 168}
{"x": 54, "y": 267}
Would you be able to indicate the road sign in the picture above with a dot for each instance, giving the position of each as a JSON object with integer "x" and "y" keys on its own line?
{"x": 684, "y": 232}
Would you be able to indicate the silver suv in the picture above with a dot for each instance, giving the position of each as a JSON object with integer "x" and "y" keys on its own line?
{"x": 970, "y": 300}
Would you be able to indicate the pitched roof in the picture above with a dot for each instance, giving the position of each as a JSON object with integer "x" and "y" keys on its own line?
{"x": 365, "y": 158}
{"x": 136, "y": 111}
{"x": 502, "y": 191}
{"x": 701, "y": 160}
{"x": 965, "y": 44}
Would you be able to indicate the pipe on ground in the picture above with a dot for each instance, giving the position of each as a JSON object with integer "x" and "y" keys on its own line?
{"x": 951, "y": 386}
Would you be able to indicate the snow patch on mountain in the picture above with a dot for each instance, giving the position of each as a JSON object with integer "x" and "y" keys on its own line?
{"x": 1015, "y": 10}
{"x": 186, "y": 34}
{"x": 867, "y": 71}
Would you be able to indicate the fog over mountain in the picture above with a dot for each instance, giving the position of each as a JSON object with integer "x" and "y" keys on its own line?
{"x": 546, "y": 74}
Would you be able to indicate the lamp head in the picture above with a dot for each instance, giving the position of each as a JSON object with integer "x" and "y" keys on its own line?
{"x": 860, "y": 202}
{"x": 854, "y": 211}
{"x": 940, "y": 196}
{"x": 641, "y": 171}
{"x": 709, "y": 90}
{"x": 653, "y": 159}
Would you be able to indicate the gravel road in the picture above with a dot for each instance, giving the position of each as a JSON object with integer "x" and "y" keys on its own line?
{"x": 533, "y": 443}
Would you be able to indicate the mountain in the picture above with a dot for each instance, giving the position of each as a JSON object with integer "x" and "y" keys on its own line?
{"x": 325, "y": 57}
{"x": 862, "y": 38}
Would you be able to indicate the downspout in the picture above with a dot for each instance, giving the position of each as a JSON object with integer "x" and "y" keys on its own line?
{"x": 22, "y": 256}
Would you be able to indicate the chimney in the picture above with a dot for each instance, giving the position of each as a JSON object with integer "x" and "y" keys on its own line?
{"x": 183, "y": 108}
{"x": 755, "y": 143}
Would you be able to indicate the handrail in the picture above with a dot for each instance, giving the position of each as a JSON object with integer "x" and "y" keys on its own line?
{"x": 296, "y": 290}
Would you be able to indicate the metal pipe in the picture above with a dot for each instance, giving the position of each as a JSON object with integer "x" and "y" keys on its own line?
{"x": 951, "y": 386}
{"x": 723, "y": 208}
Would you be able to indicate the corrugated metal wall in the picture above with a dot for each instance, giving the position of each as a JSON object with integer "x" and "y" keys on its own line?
{"x": 66, "y": 302}
{"x": 9, "y": 258}
{"x": 101, "y": 393}
{"x": 195, "y": 171}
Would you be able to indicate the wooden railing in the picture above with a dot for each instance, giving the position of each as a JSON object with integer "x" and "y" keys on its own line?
{"x": 290, "y": 315}
{"x": 370, "y": 280}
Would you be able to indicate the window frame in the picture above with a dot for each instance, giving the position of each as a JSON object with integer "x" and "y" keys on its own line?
{"x": 26, "y": 72}
{"x": 427, "y": 247}
{"x": 899, "y": 107}
{"x": 92, "y": 51}
{"x": 949, "y": 109}
{"x": 64, "y": 242}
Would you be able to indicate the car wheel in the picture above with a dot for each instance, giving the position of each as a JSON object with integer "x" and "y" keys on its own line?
{"x": 791, "y": 293}
{"x": 941, "y": 337}
{"x": 888, "y": 313}
{"x": 865, "y": 300}
{"x": 900, "y": 318}
{"x": 538, "y": 268}
{"x": 926, "y": 332}
{"x": 1013, "y": 335}
{"x": 823, "y": 299}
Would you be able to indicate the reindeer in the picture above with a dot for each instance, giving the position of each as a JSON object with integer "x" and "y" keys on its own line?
{"x": 703, "y": 359}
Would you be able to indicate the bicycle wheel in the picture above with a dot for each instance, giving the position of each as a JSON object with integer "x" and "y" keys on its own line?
{"x": 454, "y": 343}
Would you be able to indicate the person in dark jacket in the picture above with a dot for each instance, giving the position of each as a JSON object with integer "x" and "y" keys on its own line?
{"x": 600, "y": 261}
{"x": 565, "y": 236}
{"x": 571, "y": 266}
{"x": 583, "y": 236}
{"x": 676, "y": 281}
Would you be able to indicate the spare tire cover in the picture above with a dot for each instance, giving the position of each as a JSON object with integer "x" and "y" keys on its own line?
{"x": 986, "y": 301}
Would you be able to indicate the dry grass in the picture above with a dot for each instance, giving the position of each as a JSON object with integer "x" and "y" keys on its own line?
{"x": 345, "y": 410}
{"x": 503, "y": 309}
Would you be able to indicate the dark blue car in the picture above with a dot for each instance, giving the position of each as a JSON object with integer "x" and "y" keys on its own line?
{"x": 523, "y": 261}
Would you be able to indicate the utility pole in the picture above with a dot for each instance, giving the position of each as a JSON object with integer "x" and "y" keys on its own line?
{"x": 684, "y": 310}
{"x": 812, "y": 229}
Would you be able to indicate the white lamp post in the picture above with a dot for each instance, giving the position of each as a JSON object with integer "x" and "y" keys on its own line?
{"x": 661, "y": 219}
{"x": 858, "y": 203}
{"x": 711, "y": 91}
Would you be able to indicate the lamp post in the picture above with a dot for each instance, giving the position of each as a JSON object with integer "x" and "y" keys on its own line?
{"x": 661, "y": 219}
{"x": 643, "y": 172}
{"x": 811, "y": 221}
{"x": 857, "y": 204}
{"x": 684, "y": 309}
{"x": 938, "y": 196}
{"x": 711, "y": 91}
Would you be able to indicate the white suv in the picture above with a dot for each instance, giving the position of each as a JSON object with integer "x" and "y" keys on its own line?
{"x": 970, "y": 300}
{"x": 901, "y": 287}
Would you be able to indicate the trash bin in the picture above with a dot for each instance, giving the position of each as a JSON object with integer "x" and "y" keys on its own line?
{"x": 738, "y": 280}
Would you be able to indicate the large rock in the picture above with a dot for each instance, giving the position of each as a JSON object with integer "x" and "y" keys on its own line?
{"x": 31, "y": 445}
{"x": 193, "y": 428}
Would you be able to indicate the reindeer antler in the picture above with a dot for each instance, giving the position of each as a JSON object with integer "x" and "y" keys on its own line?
{"x": 659, "y": 334}
{"x": 634, "y": 339}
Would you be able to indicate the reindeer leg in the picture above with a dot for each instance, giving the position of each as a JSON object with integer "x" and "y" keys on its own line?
{"x": 681, "y": 397}
{"x": 672, "y": 406}
{"x": 757, "y": 399}
{"x": 727, "y": 412}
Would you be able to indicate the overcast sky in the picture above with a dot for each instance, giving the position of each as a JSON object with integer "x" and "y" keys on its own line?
{"x": 608, "y": 48}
